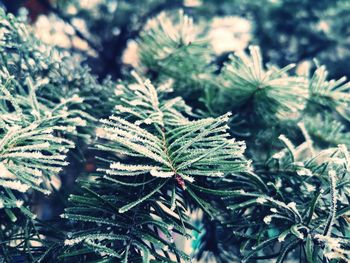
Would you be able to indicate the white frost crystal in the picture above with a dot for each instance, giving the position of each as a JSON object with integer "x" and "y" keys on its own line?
{"x": 161, "y": 173}
{"x": 273, "y": 210}
{"x": 261, "y": 200}
{"x": 310, "y": 187}
{"x": 292, "y": 205}
{"x": 304, "y": 172}
{"x": 5, "y": 173}
{"x": 19, "y": 203}
{"x": 15, "y": 185}
{"x": 268, "y": 219}
{"x": 282, "y": 237}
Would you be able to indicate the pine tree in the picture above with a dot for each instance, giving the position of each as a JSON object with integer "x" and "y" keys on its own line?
{"x": 243, "y": 160}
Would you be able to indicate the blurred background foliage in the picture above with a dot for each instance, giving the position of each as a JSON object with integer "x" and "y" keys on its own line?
{"x": 288, "y": 31}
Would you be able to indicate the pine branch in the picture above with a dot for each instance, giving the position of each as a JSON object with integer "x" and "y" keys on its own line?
{"x": 332, "y": 94}
{"x": 269, "y": 94}
{"x": 299, "y": 204}
{"x": 167, "y": 151}
{"x": 173, "y": 47}
{"x": 57, "y": 76}
{"x": 40, "y": 118}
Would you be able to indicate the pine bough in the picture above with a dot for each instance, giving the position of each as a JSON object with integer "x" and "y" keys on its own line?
{"x": 159, "y": 163}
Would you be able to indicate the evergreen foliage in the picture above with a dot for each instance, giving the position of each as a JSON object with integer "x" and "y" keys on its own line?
{"x": 58, "y": 75}
{"x": 270, "y": 94}
{"x": 175, "y": 49}
{"x": 160, "y": 163}
{"x": 34, "y": 131}
{"x": 243, "y": 161}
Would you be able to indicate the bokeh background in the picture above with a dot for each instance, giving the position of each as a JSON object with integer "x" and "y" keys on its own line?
{"x": 288, "y": 31}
